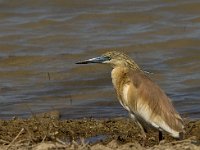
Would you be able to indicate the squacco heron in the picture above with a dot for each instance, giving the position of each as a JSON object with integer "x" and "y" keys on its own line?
{"x": 145, "y": 101}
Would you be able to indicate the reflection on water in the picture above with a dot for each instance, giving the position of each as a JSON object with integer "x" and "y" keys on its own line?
{"x": 41, "y": 40}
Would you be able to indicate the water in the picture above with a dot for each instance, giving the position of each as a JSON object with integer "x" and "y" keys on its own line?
{"x": 40, "y": 41}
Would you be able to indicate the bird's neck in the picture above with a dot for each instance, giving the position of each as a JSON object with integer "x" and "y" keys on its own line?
{"x": 119, "y": 77}
{"x": 133, "y": 66}
{"x": 119, "y": 72}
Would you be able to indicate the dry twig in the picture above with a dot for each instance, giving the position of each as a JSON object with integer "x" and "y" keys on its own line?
{"x": 20, "y": 132}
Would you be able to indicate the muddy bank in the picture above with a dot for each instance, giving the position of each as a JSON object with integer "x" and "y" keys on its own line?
{"x": 47, "y": 130}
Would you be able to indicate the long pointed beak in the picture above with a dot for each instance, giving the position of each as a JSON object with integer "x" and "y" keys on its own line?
{"x": 100, "y": 59}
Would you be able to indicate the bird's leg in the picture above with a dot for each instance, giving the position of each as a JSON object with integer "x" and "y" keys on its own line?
{"x": 143, "y": 131}
{"x": 181, "y": 135}
{"x": 160, "y": 136}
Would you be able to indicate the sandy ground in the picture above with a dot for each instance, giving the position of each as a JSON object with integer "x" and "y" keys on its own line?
{"x": 47, "y": 131}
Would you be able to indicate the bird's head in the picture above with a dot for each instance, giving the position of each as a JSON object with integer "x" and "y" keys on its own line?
{"x": 114, "y": 58}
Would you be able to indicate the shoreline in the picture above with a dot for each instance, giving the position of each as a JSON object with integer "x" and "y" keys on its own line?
{"x": 47, "y": 130}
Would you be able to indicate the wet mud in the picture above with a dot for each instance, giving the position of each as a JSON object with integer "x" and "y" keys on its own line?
{"x": 48, "y": 128}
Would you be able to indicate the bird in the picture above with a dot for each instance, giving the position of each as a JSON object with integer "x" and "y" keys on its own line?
{"x": 147, "y": 104}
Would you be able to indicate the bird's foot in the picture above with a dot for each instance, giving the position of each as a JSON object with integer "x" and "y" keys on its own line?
{"x": 162, "y": 142}
{"x": 181, "y": 135}
{"x": 160, "y": 136}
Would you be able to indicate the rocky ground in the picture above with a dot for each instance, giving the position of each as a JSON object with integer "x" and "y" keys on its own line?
{"x": 47, "y": 131}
